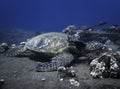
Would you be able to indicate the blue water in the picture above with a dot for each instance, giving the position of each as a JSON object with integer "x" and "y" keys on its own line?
{"x": 55, "y": 15}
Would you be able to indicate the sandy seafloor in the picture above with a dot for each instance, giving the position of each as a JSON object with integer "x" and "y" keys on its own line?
{"x": 19, "y": 73}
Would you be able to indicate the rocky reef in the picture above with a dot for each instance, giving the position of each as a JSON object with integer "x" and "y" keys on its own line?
{"x": 97, "y": 42}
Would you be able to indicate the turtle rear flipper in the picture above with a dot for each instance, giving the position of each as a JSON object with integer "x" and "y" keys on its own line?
{"x": 57, "y": 61}
{"x": 13, "y": 51}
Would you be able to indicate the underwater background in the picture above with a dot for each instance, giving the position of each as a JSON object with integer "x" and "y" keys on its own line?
{"x": 22, "y": 19}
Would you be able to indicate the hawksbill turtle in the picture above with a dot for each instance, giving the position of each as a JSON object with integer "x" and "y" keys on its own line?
{"x": 53, "y": 44}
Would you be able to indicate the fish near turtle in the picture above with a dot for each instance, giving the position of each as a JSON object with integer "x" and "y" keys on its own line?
{"x": 54, "y": 45}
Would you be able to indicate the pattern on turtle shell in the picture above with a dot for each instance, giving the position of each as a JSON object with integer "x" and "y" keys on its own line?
{"x": 49, "y": 42}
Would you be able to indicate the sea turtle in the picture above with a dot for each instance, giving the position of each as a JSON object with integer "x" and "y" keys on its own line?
{"x": 55, "y": 46}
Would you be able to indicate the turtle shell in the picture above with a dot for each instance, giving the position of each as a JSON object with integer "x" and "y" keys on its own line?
{"x": 52, "y": 42}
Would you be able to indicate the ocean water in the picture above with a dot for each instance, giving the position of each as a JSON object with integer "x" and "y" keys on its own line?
{"x": 22, "y": 19}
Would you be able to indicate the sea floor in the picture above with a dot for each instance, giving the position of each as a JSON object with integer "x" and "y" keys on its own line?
{"x": 19, "y": 73}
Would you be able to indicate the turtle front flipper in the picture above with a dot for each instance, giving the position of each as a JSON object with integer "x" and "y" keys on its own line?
{"x": 57, "y": 61}
{"x": 13, "y": 51}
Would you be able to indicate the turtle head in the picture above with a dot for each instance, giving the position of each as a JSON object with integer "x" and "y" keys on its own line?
{"x": 77, "y": 47}
{"x": 78, "y": 44}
